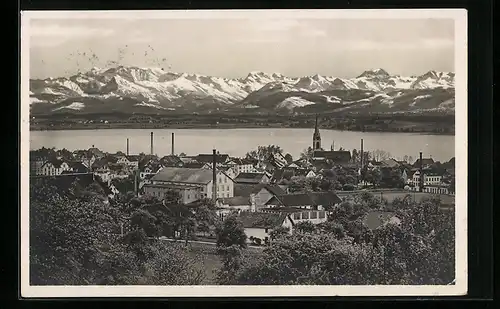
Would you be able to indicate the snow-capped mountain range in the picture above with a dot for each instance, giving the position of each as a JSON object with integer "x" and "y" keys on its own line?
{"x": 134, "y": 89}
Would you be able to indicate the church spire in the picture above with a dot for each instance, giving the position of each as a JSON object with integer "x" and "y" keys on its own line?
{"x": 316, "y": 136}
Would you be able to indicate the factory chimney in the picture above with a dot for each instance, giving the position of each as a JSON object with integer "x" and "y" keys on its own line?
{"x": 127, "y": 147}
{"x": 362, "y": 155}
{"x": 214, "y": 176}
{"x": 173, "y": 144}
{"x": 151, "y": 143}
{"x": 421, "y": 179}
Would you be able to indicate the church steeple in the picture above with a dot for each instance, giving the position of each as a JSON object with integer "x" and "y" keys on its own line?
{"x": 316, "y": 137}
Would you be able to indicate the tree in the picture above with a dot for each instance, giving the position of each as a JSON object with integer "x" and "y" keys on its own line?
{"x": 231, "y": 232}
{"x": 288, "y": 158}
{"x": 75, "y": 241}
{"x": 264, "y": 152}
{"x": 279, "y": 232}
{"x": 305, "y": 227}
{"x": 355, "y": 156}
{"x": 307, "y": 154}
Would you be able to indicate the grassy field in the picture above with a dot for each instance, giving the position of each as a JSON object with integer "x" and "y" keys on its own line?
{"x": 209, "y": 261}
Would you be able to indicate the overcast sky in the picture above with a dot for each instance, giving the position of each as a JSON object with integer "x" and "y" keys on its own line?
{"x": 234, "y": 47}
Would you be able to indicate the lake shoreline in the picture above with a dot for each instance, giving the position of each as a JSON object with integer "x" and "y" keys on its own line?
{"x": 219, "y": 127}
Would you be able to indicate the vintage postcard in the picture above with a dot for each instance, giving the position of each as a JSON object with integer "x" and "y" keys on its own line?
{"x": 244, "y": 153}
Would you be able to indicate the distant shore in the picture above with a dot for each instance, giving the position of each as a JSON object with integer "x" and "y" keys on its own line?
{"x": 132, "y": 126}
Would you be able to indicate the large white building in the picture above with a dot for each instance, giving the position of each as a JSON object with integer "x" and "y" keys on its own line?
{"x": 192, "y": 183}
{"x": 431, "y": 180}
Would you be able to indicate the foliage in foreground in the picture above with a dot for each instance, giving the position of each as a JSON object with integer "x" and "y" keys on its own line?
{"x": 75, "y": 241}
{"x": 417, "y": 250}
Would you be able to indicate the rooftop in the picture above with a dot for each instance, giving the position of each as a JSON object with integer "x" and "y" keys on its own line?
{"x": 184, "y": 175}
{"x": 262, "y": 220}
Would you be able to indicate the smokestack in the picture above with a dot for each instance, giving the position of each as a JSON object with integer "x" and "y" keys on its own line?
{"x": 127, "y": 146}
{"x": 173, "y": 144}
{"x": 333, "y": 145}
{"x": 362, "y": 155}
{"x": 214, "y": 176}
{"x": 421, "y": 185}
{"x": 151, "y": 143}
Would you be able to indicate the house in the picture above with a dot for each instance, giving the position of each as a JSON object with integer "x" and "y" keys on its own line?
{"x": 300, "y": 215}
{"x": 287, "y": 173}
{"x": 229, "y": 171}
{"x": 84, "y": 156}
{"x": 241, "y": 165}
{"x": 192, "y": 184}
{"x": 258, "y": 225}
{"x": 171, "y": 161}
{"x": 122, "y": 159}
{"x": 262, "y": 193}
{"x": 196, "y": 164}
{"x": 96, "y": 152}
{"x": 251, "y": 178}
{"x": 426, "y": 163}
{"x": 228, "y": 205}
{"x": 78, "y": 167}
{"x": 37, "y": 160}
{"x": 209, "y": 158}
{"x": 133, "y": 161}
{"x": 101, "y": 168}
{"x": 119, "y": 171}
{"x": 310, "y": 200}
{"x": 334, "y": 156}
{"x": 390, "y": 163}
{"x": 150, "y": 168}
{"x": 437, "y": 189}
{"x": 429, "y": 179}
{"x": 54, "y": 167}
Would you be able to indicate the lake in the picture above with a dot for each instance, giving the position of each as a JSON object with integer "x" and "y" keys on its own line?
{"x": 237, "y": 142}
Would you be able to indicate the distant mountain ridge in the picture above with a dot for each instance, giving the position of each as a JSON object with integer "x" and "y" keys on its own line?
{"x": 131, "y": 89}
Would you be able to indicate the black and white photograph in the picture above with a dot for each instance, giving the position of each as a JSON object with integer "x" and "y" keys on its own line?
{"x": 243, "y": 153}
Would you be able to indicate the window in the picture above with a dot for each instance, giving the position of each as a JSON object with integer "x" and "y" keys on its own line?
{"x": 321, "y": 214}
{"x": 266, "y": 230}
{"x": 314, "y": 215}
{"x": 296, "y": 216}
{"x": 227, "y": 188}
{"x": 305, "y": 215}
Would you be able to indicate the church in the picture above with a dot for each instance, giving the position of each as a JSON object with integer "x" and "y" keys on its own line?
{"x": 319, "y": 154}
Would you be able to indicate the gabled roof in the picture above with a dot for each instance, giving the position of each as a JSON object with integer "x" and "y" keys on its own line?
{"x": 242, "y": 161}
{"x": 103, "y": 162}
{"x": 235, "y": 201}
{"x": 335, "y": 156}
{"x": 194, "y": 164}
{"x": 390, "y": 163}
{"x": 134, "y": 158}
{"x": 171, "y": 160}
{"x": 306, "y": 199}
{"x": 262, "y": 220}
{"x": 249, "y": 178}
{"x": 184, "y": 175}
{"x": 208, "y": 158}
{"x": 77, "y": 166}
{"x": 425, "y": 161}
{"x": 55, "y": 162}
{"x": 96, "y": 152}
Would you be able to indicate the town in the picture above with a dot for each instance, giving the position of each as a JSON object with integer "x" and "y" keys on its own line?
{"x": 266, "y": 192}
